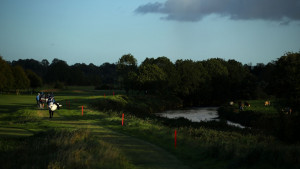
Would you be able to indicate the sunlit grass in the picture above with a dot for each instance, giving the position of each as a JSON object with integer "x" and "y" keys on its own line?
{"x": 29, "y": 139}
{"x": 93, "y": 140}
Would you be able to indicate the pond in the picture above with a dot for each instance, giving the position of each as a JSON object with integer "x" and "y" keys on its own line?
{"x": 196, "y": 114}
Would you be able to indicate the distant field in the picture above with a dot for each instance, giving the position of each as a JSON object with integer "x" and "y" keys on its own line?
{"x": 258, "y": 106}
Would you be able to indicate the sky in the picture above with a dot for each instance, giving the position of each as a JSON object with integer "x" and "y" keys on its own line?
{"x": 99, "y": 31}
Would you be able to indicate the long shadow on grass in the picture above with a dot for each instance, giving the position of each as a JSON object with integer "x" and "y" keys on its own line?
{"x": 13, "y": 108}
{"x": 85, "y": 117}
{"x": 7, "y": 111}
{"x": 14, "y": 132}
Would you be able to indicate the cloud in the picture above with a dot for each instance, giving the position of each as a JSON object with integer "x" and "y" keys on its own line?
{"x": 284, "y": 23}
{"x": 195, "y": 10}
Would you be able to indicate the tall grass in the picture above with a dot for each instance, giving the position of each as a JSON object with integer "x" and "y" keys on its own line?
{"x": 60, "y": 149}
{"x": 270, "y": 119}
{"x": 214, "y": 148}
{"x": 208, "y": 144}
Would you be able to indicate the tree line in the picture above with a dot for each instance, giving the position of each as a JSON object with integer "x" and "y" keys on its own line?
{"x": 209, "y": 81}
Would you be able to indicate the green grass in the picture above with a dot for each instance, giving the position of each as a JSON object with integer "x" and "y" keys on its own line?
{"x": 98, "y": 140}
{"x": 14, "y": 132}
{"x": 24, "y": 126}
{"x": 61, "y": 149}
{"x": 29, "y": 139}
{"x": 200, "y": 147}
{"x": 258, "y": 106}
{"x": 214, "y": 148}
{"x": 254, "y": 116}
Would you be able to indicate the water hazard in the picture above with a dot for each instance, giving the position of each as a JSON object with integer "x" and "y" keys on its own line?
{"x": 196, "y": 114}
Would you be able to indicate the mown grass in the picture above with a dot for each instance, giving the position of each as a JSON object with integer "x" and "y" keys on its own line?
{"x": 29, "y": 139}
{"x": 36, "y": 121}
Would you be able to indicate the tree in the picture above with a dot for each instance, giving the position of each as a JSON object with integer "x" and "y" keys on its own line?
{"x": 35, "y": 80}
{"x": 76, "y": 76}
{"x": 172, "y": 78}
{"x": 6, "y": 76}
{"x": 218, "y": 72}
{"x": 194, "y": 82}
{"x": 239, "y": 81}
{"x": 58, "y": 71}
{"x": 21, "y": 81}
{"x": 151, "y": 77}
{"x": 287, "y": 78}
{"x": 108, "y": 74}
{"x": 127, "y": 62}
{"x": 45, "y": 67}
{"x": 127, "y": 66}
{"x": 45, "y": 63}
{"x": 31, "y": 64}
{"x": 190, "y": 77}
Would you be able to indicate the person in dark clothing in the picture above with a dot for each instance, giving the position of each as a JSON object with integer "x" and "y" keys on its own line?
{"x": 38, "y": 100}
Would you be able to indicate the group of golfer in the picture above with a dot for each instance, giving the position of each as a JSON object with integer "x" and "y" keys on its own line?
{"x": 47, "y": 98}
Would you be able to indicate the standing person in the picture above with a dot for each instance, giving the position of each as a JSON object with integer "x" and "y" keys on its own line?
{"x": 50, "y": 103}
{"x": 38, "y": 100}
{"x": 241, "y": 105}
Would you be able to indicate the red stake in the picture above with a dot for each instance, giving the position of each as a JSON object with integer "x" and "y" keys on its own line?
{"x": 175, "y": 138}
{"x": 82, "y": 111}
{"x": 104, "y": 95}
{"x": 122, "y": 119}
{"x": 113, "y": 93}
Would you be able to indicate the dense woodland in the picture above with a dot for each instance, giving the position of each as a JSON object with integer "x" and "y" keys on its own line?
{"x": 206, "y": 82}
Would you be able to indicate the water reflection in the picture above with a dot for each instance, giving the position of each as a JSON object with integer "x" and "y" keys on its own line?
{"x": 196, "y": 114}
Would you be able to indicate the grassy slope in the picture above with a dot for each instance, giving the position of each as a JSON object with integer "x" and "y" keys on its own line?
{"x": 198, "y": 147}
{"x": 20, "y": 117}
{"x": 207, "y": 145}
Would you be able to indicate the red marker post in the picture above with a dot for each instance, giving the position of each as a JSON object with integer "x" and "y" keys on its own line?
{"x": 122, "y": 119}
{"x": 68, "y": 104}
{"x": 82, "y": 111}
{"x": 175, "y": 138}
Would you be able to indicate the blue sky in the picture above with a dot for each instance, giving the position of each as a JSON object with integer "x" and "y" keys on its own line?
{"x": 98, "y": 31}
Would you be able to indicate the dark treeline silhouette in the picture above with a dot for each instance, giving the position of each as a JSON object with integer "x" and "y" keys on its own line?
{"x": 211, "y": 81}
